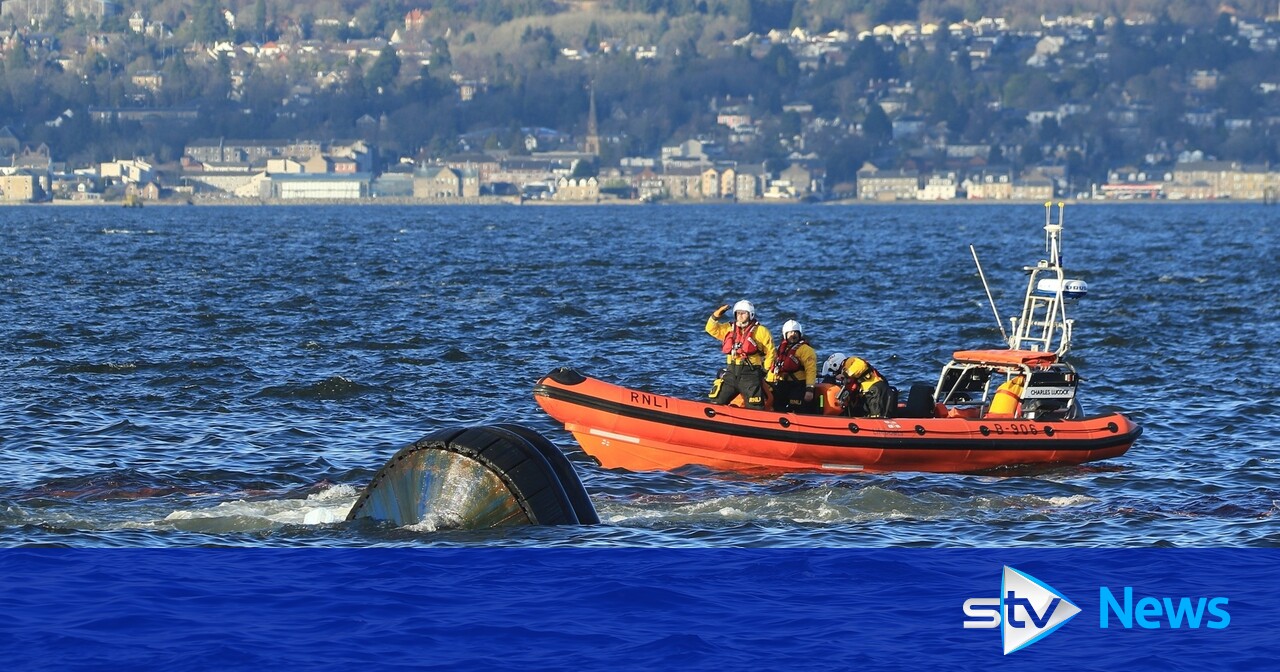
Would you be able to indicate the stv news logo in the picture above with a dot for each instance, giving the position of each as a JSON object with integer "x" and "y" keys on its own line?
{"x": 1026, "y": 611}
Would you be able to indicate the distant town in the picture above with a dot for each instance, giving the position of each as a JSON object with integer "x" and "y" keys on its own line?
{"x": 968, "y": 109}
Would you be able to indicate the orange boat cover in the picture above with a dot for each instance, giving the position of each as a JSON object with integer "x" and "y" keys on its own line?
{"x": 1033, "y": 358}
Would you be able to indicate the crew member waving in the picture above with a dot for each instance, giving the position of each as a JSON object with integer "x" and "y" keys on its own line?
{"x": 748, "y": 349}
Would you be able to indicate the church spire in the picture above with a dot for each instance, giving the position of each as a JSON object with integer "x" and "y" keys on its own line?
{"x": 592, "y": 145}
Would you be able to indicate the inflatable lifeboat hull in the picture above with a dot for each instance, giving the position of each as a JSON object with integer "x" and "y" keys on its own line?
{"x": 641, "y": 431}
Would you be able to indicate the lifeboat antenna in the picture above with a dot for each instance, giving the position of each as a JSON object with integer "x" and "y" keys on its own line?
{"x": 1044, "y": 317}
{"x": 999, "y": 323}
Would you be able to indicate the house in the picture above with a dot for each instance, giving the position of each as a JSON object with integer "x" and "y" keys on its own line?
{"x": 728, "y": 186}
{"x": 648, "y": 185}
{"x": 681, "y": 183}
{"x": 733, "y": 117}
{"x": 689, "y": 152}
{"x": 522, "y": 171}
{"x": 966, "y": 152}
{"x": 284, "y": 166}
{"x": 577, "y": 189}
{"x": 151, "y": 80}
{"x": 1034, "y": 188}
{"x": 319, "y": 187}
{"x": 127, "y": 171}
{"x": 415, "y": 20}
{"x": 318, "y": 165}
{"x": 1202, "y": 179}
{"x": 1221, "y": 179}
{"x": 36, "y": 159}
{"x": 76, "y": 186}
{"x": 800, "y": 178}
{"x": 875, "y": 184}
{"x": 710, "y": 186}
{"x": 437, "y": 182}
{"x": 18, "y": 188}
{"x": 149, "y": 191}
{"x": 938, "y": 187}
{"x": 988, "y": 185}
{"x": 746, "y": 186}
{"x": 469, "y": 88}
{"x": 144, "y": 115}
{"x": 483, "y": 165}
{"x": 250, "y": 152}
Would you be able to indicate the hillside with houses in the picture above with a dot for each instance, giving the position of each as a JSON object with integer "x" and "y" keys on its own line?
{"x": 624, "y": 100}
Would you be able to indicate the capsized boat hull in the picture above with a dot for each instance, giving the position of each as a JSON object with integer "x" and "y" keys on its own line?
{"x": 642, "y": 431}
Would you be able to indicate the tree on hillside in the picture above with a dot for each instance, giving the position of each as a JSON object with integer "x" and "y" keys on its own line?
{"x": 592, "y": 41}
{"x": 260, "y": 20}
{"x": 206, "y": 22}
{"x": 767, "y": 15}
{"x": 888, "y": 11}
{"x": 782, "y": 63}
{"x": 869, "y": 61}
{"x": 17, "y": 60}
{"x": 382, "y": 74}
{"x": 178, "y": 84}
{"x": 441, "y": 49}
{"x": 846, "y": 158}
{"x": 374, "y": 17}
{"x": 55, "y": 20}
{"x": 877, "y": 126}
{"x": 585, "y": 168}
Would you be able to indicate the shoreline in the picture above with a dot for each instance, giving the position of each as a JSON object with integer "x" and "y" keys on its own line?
{"x": 510, "y": 201}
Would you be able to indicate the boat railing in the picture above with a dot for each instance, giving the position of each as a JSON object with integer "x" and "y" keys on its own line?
{"x": 967, "y": 384}
{"x": 1047, "y": 389}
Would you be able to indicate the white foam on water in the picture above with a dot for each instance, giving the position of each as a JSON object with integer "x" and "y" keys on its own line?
{"x": 830, "y": 506}
{"x": 436, "y": 522}
{"x": 320, "y": 508}
{"x": 1073, "y": 500}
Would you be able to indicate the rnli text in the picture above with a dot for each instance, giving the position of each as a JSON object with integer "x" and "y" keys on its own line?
{"x": 649, "y": 400}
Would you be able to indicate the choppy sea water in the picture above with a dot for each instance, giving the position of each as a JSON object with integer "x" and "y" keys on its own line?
{"x": 191, "y": 376}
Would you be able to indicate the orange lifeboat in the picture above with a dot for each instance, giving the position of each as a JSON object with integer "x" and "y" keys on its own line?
{"x": 990, "y": 408}
{"x": 630, "y": 429}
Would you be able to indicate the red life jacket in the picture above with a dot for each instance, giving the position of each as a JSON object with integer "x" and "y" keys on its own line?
{"x": 787, "y": 362}
{"x": 740, "y": 342}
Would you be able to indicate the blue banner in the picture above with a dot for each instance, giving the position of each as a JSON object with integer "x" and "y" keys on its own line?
{"x": 722, "y": 609}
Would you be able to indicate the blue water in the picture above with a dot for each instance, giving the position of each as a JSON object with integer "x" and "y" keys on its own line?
{"x": 196, "y": 376}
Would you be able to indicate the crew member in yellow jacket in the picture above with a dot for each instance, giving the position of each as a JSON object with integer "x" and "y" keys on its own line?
{"x": 748, "y": 349}
{"x": 869, "y": 394}
{"x": 795, "y": 371}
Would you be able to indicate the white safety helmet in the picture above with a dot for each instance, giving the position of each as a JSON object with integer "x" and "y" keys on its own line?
{"x": 744, "y": 305}
{"x": 790, "y": 326}
{"x": 831, "y": 367}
